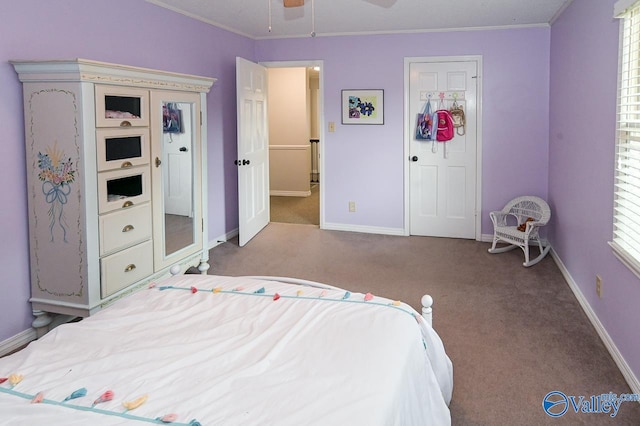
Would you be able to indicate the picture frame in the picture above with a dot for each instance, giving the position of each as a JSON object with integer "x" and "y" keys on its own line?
{"x": 363, "y": 106}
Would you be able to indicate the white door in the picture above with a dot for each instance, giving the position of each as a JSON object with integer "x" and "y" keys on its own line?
{"x": 253, "y": 149}
{"x": 442, "y": 176}
{"x": 177, "y": 152}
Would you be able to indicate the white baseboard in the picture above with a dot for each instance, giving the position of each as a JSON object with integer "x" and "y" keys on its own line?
{"x": 624, "y": 368}
{"x": 277, "y": 193}
{"x": 487, "y": 238}
{"x": 12, "y": 343}
{"x": 223, "y": 238}
{"x": 363, "y": 229}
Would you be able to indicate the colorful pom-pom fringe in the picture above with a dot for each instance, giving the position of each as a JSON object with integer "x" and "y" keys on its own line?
{"x": 259, "y": 291}
{"x": 368, "y": 296}
{"x": 194, "y": 290}
{"x": 168, "y": 418}
{"x": 77, "y": 394}
{"x": 276, "y": 296}
{"x": 38, "y": 398}
{"x": 130, "y": 405}
{"x": 107, "y": 396}
{"x": 14, "y": 379}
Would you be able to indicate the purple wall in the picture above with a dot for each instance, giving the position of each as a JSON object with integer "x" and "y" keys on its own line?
{"x": 121, "y": 31}
{"x": 365, "y": 163}
{"x": 584, "y": 65}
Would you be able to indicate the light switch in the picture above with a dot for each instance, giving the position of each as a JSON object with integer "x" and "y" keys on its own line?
{"x": 332, "y": 126}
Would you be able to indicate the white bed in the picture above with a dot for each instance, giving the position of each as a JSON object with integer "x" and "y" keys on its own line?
{"x": 235, "y": 351}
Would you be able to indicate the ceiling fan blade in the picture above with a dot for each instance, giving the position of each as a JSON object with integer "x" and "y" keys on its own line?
{"x": 293, "y": 3}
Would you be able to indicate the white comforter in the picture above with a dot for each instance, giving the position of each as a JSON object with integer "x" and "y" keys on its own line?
{"x": 221, "y": 354}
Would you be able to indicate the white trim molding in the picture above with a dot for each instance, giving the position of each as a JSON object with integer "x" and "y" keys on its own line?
{"x": 363, "y": 229}
{"x": 223, "y": 238}
{"x": 16, "y": 342}
{"x": 621, "y": 6}
{"x": 278, "y": 193}
{"x": 624, "y": 368}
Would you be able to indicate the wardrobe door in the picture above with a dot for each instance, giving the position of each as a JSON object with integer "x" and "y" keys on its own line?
{"x": 176, "y": 173}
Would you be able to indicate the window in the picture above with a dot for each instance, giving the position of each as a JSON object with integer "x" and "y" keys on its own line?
{"x": 626, "y": 214}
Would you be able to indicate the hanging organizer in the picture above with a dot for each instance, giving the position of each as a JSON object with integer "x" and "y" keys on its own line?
{"x": 453, "y": 96}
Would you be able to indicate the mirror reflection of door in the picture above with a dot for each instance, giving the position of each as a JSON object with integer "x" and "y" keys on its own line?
{"x": 177, "y": 144}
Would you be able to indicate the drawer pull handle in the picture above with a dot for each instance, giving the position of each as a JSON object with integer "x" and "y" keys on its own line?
{"x": 158, "y": 162}
{"x": 130, "y": 268}
{"x": 127, "y": 204}
{"x": 127, "y": 228}
{"x": 125, "y": 124}
{"x": 126, "y": 165}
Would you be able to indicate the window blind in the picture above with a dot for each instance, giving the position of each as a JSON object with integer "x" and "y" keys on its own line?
{"x": 626, "y": 215}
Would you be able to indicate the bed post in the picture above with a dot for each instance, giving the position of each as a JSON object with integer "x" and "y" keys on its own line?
{"x": 427, "y": 311}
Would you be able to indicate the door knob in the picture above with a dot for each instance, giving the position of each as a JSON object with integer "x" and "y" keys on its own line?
{"x": 414, "y": 158}
{"x": 183, "y": 149}
{"x": 245, "y": 162}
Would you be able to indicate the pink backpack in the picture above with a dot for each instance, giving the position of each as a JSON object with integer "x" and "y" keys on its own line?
{"x": 445, "y": 126}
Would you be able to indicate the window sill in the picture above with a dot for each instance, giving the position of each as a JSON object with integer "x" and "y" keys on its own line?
{"x": 624, "y": 257}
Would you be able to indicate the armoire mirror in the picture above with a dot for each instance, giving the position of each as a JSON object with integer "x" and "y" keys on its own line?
{"x": 176, "y": 164}
{"x": 177, "y": 185}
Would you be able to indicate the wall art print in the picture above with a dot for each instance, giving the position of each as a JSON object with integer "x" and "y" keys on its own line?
{"x": 363, "y": 107}
{"x": 56, "y": 174}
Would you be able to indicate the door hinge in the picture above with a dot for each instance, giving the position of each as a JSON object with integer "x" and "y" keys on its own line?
{"x": 201, "y": 118}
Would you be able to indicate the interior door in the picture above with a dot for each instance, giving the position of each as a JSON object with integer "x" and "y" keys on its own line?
{"x": 253, "y": 149}
{"x": 442, "y": 176}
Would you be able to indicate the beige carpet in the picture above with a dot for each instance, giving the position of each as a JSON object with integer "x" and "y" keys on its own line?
{"x": 513, "y": 333}
{"x": 302, "y": 210}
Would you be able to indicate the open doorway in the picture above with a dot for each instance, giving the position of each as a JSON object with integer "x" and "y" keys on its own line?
{"x": 294, "y": 99}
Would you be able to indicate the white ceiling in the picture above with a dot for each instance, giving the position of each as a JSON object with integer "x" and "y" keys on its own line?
{"x": 337, "y": 17}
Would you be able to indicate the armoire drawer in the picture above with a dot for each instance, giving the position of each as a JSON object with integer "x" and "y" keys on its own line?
{"x": 118, "y": 106}
{"x": 120, "y": 189}
{"x": 122, "y": 148}
{"x": 125, "y": 267}
{"x": 124, "y": 228}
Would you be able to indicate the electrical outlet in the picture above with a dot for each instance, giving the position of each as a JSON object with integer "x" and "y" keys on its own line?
{"x": 332, "y": 126}
{"x": 598, "y": 285}
{"x": 352, "y": 206}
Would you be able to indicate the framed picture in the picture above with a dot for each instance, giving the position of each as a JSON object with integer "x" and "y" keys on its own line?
{"x": 363, "y": 107}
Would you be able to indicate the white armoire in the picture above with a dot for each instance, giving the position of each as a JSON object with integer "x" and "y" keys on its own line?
{"x": 116, "y": 174}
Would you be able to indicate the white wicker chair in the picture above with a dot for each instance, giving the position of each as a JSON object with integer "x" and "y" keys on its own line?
{"x": 531, "y": 213}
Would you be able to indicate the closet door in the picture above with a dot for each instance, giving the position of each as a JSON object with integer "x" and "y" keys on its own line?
{"x": 176, "y": 176}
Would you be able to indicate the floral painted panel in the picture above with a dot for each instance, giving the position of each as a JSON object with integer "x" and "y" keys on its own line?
{"x": 57, "y": 246}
